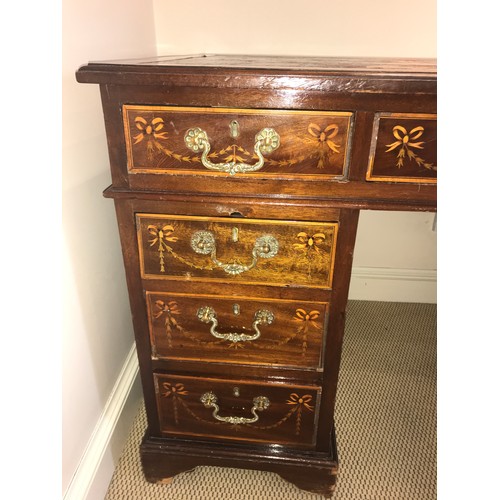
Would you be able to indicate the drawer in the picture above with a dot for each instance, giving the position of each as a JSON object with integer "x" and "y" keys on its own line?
{"x": 238, "y": 410}
{"x": 237, "y": 330}
{"x": 403, "y": 148}
{"x": 222, "y": 141}
{"x": 236, "y": 250}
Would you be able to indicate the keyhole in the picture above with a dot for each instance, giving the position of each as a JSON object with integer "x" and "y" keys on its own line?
{"x": 234, "y": 129}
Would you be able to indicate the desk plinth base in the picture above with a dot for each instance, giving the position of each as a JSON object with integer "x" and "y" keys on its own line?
{"x": 164, "y": 458}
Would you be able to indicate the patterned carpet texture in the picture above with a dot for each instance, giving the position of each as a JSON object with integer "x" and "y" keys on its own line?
{"x": 385, "y": 421}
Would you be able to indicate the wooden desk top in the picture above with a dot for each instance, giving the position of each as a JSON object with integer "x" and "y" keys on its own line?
{"x": 349, "y": 74}
{"x": 382, "y": 112}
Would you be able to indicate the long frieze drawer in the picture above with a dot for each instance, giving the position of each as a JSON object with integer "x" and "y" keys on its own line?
{"x": 404, "y": 148}
{"x": 211, "y": 141}
{"x": 236, "y": 250}
{"x": 237, "y": 409}
{"x": 236, "y": 330}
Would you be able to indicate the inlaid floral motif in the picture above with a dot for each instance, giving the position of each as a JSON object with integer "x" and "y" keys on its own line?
{"x": 236, "y": 345}
{"x": 160, "y": 235}
{"x": 310, "y": 243}
{"x": 234, "y": 153}
{"x": 406, "y": 144}
{"x": 306, "y": 321}
{"x": 299, "y": 403}
{"x": 307, "y": 317}
{"x": 175, "y": 391}
{"x": 168, "y": 310}
{"x": 311, "y": 251}
{"x": 149, "y": 131}
{"x": 323, "y": 139}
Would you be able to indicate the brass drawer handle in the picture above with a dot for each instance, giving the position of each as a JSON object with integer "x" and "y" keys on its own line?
{"x": 207, "y": 314}
{"x": 265, "y": 247}
{"x": 260, "y": 403}
{"x": 266, "y": 141}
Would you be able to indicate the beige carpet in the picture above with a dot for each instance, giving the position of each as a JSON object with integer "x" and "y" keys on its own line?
{"x": 385, "y": 421}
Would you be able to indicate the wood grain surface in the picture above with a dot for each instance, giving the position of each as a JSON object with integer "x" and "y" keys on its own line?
{"x": 304, "y": 254}
{"x": 294, "y": 338}
{"x": 404, "y": 148}
{"x": 355, "y": 133}
{"x": 289, "y": 419}
{"x": 312, "y": 143}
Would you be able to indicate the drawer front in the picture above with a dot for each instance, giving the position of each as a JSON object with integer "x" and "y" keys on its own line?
{"x": 404, "y": 148}
{"x": 237, "y": 330}
{"x": 236, "y": 250}
{"x": 222, "y": 141}
{"x": 238, "y": 409}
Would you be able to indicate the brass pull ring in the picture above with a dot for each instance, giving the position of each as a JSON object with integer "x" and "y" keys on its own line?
{"x": 265, "y": 247}
{"x": 260, "y": 403}
{"x": 207, "y": 314}
{"x": 266, "y": 141}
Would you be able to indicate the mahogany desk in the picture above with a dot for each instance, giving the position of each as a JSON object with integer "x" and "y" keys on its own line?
{"x": 238, "y": 182}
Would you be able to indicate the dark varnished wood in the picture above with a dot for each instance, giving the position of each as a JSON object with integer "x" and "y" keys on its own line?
{"x": 313, "y": 471}
{"x": 294, "y": 338}
{"x": 248, "y": 207}
{"x": 311, "y": 143}
{"x": 289, "y": 418}
{"x": 333, "y": 348}
{"x": 304, "y": 251}
{"x": 349, "y": 194}
{"x": 326, "y": 74}
{"x": 127, "y": 208}
{"x": 404, "y": 148}
{"x": 251, "y": 94}
{"x": 409, "y": 199}
{"x": 377, "y": 102}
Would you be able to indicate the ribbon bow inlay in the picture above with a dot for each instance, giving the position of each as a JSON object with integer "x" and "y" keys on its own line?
{"x": 323, "y": 138}
{"x": 406, "y": 141}
{"x": 151, "y": 132}
{"x": 168, "y": 309}
{"x": 326, "y": 135}
{"x": 160, "y": 235}
{"x": 177, "y": 389}
{"x": 295, "y": 399}
{"x": 302, "y": 315}
{"x": 149, "y": 129}
{"x": 309, "y": 242}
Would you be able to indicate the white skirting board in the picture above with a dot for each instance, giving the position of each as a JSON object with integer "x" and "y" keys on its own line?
{"x": 94, "y": 472}
{"x": 393, "y": 285}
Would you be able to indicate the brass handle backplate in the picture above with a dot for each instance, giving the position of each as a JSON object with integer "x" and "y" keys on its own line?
{"x": 260, "y": 403}
{"x": 266, "y": 141}
{"x": 207, "y": 314}
{"x": 265, "y": 247}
